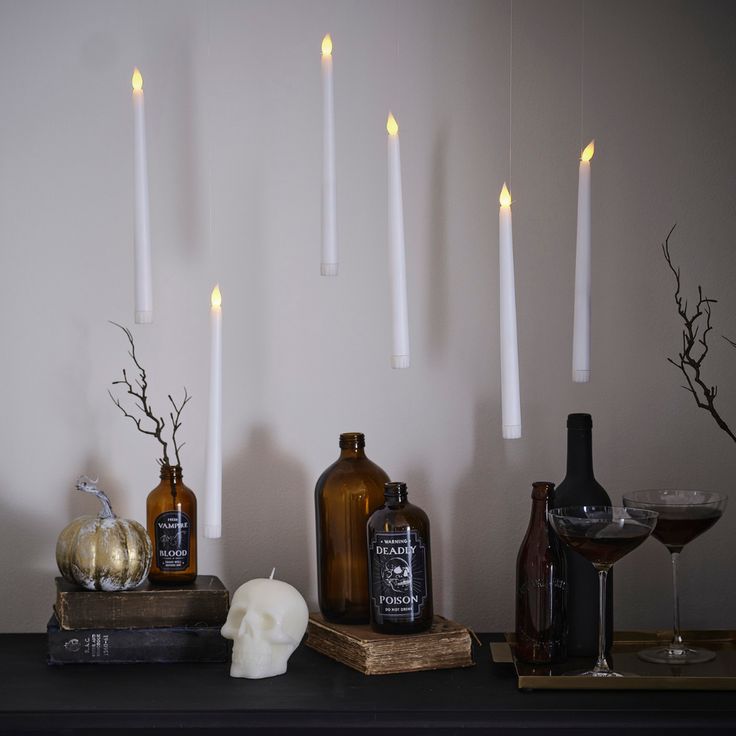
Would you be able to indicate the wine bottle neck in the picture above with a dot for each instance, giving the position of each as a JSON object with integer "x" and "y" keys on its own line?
{"x": 579, "y": 453}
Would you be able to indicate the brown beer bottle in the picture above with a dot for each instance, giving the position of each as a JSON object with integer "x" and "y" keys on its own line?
{"x": 400, "y": 577}
{"x": 171, "y": 515}
{"x": 541, "y": 625}
{"x": 345, "y": 495}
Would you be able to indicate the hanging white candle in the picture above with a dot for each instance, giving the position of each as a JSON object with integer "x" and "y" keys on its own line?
{"x": 142, "y": 248}
{"x": 329, "y": 265}
{"x": 510, "y": 395}
{"x": 213, "y": 471}
{"x": 581, "y": 317}
{"x": 400, "y": 357}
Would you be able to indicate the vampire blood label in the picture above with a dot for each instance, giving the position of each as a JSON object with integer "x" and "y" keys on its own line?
{"x": 173, "y": 531}
{"x": 398, "y": 574}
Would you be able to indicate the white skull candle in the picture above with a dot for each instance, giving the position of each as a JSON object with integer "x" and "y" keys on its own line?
{"x": 266, "y": 621}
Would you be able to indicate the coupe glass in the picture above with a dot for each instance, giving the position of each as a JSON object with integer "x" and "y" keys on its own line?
{"x": 683, "y": 515}
{"x": 603, "y": 535}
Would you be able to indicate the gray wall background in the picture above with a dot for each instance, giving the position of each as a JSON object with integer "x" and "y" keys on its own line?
{"x": 234, "y": 128}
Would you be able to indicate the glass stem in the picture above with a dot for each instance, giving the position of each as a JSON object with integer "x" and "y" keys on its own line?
{"x": 601, "y": 665}
{"x": 677, "y": 642}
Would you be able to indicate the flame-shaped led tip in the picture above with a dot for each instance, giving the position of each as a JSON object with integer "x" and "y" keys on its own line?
{"x": 588, "y": 151}
{"x": 391, "y": 125}
{"x": 137, "y": 80}
{"x": 327, "y": 45}
{"x": 505, "y": 198}
{"x": 216, "y": 298}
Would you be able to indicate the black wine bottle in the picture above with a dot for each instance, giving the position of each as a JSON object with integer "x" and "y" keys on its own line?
{"x": 580, "y": 488}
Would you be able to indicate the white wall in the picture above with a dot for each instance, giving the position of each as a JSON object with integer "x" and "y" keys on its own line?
{"x": 234, "y": 127}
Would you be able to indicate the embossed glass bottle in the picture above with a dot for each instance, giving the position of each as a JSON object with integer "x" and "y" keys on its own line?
{"x": 400, "y": 576}
{"x": 541, "y": 625}
{"x": 345, "y": 496}
{"x": 171, "y": 514}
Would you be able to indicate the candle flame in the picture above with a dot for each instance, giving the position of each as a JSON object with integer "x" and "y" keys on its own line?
{"x": 327, "y": 45}
{"x": 505, "y": 198}
{"x": 216, "y": 298}
{"x": 137, "y": 79}
{"x": 391, "y": 125}
{"x": 588, "y": 151}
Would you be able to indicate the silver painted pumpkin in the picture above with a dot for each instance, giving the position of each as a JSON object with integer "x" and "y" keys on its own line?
{"x": 103, "y": 552}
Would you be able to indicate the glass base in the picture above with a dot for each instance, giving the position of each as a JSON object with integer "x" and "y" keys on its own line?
{"x": 598, "y": 673}
{"x": 676, "y": 655}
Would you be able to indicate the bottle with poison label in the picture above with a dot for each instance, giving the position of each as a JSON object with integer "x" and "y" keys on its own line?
{"x": 171, "y": 512}
{"x": 400, "y": 569}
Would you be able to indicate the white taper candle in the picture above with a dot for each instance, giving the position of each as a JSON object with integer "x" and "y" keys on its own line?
{"x": 329, "y": 265}
{"x": 143, "y": 278}
{"x": 510, "y": 395}
{"x": 400, "y": 357}
{"x": 581, "y": 317}
{"x": 213, "y": 472}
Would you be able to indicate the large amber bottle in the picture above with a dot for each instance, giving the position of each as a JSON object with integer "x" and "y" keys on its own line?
{"x": 171, "y": 513}
{"x": 346, "y": 495}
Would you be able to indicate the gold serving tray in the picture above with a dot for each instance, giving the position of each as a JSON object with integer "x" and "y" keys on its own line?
{"x": 719, "y": 674}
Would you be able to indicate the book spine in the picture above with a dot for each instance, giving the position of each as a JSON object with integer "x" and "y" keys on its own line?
{"x": 136, "y": 645}
{"x": 92, "y": 610}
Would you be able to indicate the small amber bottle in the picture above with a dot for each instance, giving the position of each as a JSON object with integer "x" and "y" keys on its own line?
{"x": 400, "y": 567}
{"x": 171, "y": 513}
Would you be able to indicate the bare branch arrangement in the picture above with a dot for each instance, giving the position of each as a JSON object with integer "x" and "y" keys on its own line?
{"x": 696, "y": 327}
{"x": 138, "y": 389}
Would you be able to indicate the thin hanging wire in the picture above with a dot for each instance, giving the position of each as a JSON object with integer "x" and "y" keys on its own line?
{"x": 511, "y": 80}
{"x": 208, "y": 138}
{"x": 582, "y": 70}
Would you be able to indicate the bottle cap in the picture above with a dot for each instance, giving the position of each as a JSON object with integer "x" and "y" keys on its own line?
{"x": 579, "y": 421}
{"x": 542, "y": 489}
{"x": 349, "y": 440}
{"x": 394, "y": 489}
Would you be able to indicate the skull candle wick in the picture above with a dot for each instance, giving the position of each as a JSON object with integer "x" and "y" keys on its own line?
{"x": 266, "y": 621}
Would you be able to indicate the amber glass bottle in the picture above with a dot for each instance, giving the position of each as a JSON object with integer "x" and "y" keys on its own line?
{"x": 541, "y": 623}
{"x": 345, "y": 495}
{"x": 400, "y": 565}
{"x": 171, "y": 513}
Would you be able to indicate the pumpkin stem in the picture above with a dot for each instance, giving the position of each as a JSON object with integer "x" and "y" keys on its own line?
{"x": 90, "y": 486}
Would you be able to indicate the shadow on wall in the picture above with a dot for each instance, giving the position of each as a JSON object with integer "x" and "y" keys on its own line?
{"x": 28, "y": 543}
{"x": 438, "y": 293}
{"x": 266, "y": 517}
{"x": 482, "y": 533}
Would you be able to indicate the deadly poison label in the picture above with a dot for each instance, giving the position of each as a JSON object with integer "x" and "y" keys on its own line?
{"x": 173, "y": 530}
{"x": 398, "y": 574}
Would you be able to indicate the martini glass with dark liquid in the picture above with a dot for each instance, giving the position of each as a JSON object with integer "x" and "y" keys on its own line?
{"x": 603, "y": 535}
{"x": 683, "y": 515}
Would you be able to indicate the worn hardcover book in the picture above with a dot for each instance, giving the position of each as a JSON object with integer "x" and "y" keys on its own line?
{"x": 201, "y": 603}
{"x": 176, "y": 644}
{"x": 446, "y": 644}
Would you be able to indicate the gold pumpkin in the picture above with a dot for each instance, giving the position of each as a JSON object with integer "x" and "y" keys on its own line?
{"x": 103, "y": 552}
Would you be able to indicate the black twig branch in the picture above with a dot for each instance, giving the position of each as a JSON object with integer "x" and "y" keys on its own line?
{"x": 138, "y": 390}
{"x": 696, "y": 326}
{"x": 176, "y": 423}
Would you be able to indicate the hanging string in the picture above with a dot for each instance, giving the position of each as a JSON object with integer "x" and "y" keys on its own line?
{"x": 511, "y": 79}
{"x": 209, "y": 137}
{"x": 582, "y": 69}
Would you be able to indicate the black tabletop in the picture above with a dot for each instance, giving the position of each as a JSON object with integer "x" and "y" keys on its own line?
{"x": 318, "y": 695}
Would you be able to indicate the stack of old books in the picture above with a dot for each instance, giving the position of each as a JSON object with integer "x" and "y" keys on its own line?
{"x": 147, "y": 624}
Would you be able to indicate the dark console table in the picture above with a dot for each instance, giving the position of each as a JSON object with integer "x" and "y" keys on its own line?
{"x": 318, "y": 695}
